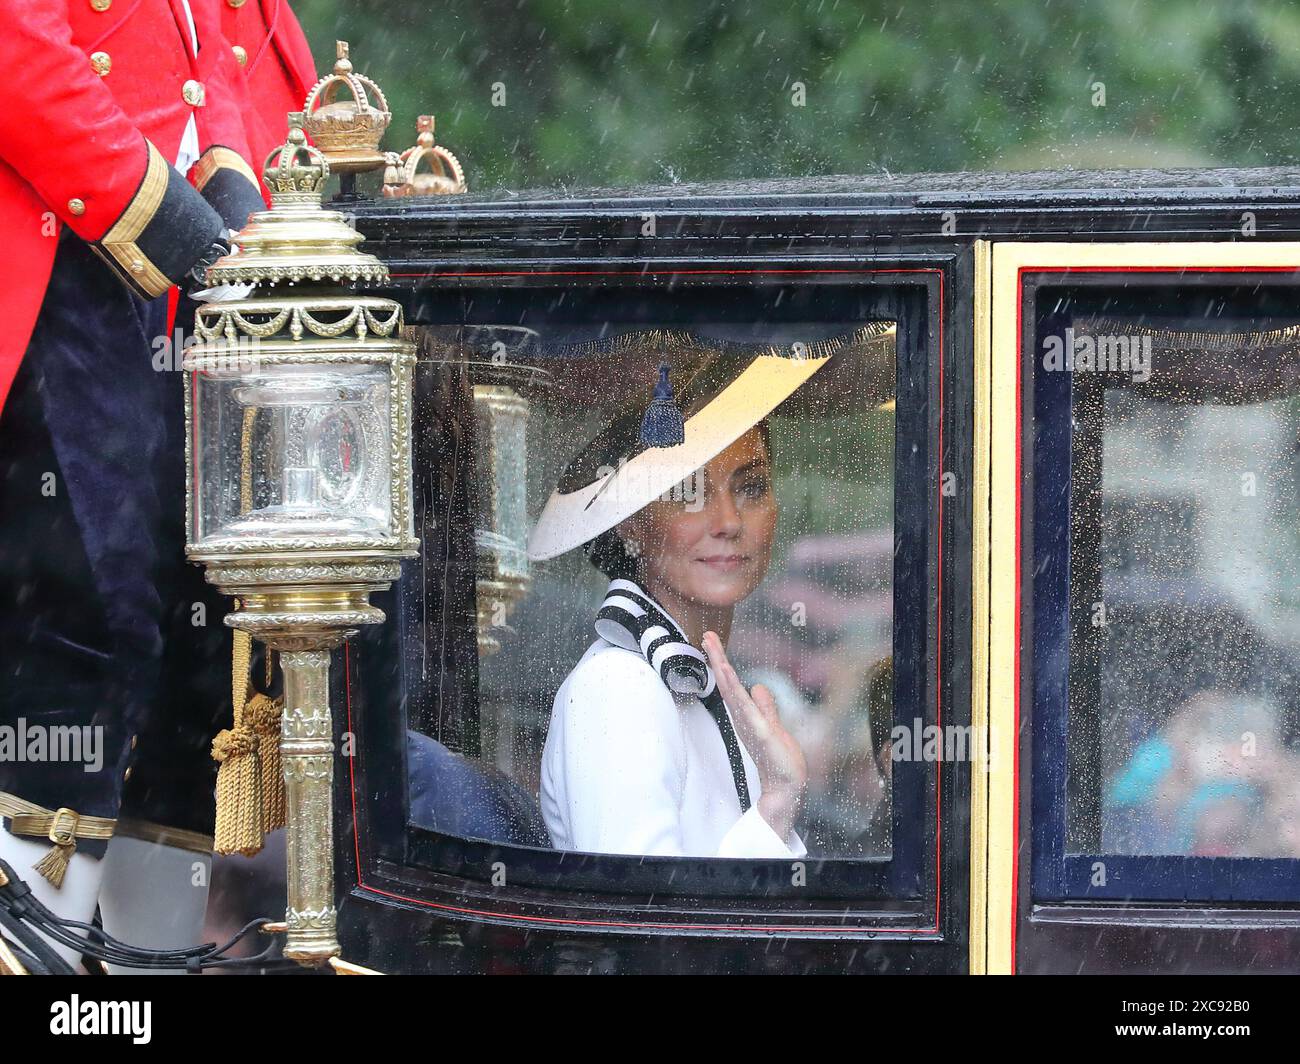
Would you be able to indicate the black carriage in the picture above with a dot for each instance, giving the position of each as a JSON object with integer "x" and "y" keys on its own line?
{"x": 1065, "y": 513}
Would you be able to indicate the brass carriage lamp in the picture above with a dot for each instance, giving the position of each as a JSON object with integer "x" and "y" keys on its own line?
{"x": 298, "y": 414}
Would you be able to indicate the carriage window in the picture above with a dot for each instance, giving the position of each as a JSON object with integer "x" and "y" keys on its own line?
{"x": 770, "y": 522}
{"x": 1182, "y": 733}
{"x": 1193, "y": 645}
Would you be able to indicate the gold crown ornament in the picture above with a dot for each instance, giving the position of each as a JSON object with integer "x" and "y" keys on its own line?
{"x": 445, "y": 175}
{"x": 347, "y": 131}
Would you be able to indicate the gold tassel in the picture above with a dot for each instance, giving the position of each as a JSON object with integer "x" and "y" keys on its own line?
{"x": 238, "y": 807}
{"x": 250, "y": 792}
{"x": 265, "y": 713}
{"x": 54, "y": 865}
{"x": 239, "y": 793}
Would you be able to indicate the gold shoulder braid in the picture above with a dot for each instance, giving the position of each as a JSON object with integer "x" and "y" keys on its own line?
{"x": 63, "y": 827}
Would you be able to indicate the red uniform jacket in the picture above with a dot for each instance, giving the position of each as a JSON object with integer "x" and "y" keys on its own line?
{"x": 100, "y": 94}
{"x": 277, "y": 63}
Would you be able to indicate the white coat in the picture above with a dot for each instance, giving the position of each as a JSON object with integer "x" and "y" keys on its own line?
{"x": 631, "y": 768}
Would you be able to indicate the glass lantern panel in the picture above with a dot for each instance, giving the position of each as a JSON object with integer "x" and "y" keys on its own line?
{"x": 285, "y": 452}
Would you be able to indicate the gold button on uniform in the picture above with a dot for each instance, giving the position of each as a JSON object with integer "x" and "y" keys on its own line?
{"x": 134, "y": 740}
{"x": 192, "y": 91}
{"x": 76, "y": 206}
{"x": 126, "y": 775}
{"x": 101, "y": 63}
{"x": 240, "y": 54}
{"x": 101, "y": 5}
{"x": 235, "y": 3}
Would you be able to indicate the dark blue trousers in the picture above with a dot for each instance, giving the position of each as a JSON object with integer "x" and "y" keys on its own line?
{"x": 97, "y": 602}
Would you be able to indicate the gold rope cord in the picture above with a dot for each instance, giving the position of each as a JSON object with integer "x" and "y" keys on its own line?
{"x": 250, "y": 787}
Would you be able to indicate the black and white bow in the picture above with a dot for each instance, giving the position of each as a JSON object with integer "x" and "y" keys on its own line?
{"x": 631, "y": 619}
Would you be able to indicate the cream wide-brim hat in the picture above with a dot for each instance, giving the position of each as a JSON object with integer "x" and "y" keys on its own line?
{"x": 617, "y": 475}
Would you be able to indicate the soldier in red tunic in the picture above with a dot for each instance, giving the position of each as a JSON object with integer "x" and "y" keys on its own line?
{"x": 273, "y": 53}
{"x": 128, "y": 155}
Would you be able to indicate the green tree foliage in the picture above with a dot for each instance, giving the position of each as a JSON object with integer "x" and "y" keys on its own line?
{"x": 610, "y": 92}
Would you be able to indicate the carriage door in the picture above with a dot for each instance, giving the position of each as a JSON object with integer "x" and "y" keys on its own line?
{"x": 1140, "y": 413}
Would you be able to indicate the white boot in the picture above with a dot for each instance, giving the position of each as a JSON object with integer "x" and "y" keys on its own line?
{"x": 153, "y": 895}
{"x": 74, "y": 900}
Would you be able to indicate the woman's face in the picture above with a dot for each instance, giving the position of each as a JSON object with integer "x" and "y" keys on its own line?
{"x": 712, "y": 546}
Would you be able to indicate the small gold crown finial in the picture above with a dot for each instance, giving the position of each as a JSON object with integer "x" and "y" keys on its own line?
{"x": 394, "y": 175}
{"x": 445, "y": 175}
{"x": 288, "y": 180}
{"x": 348, "y": 128}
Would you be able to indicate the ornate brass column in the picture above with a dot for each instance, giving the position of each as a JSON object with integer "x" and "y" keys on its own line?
{"x": 298, "y": 415}
{"x": 307, "y": 752}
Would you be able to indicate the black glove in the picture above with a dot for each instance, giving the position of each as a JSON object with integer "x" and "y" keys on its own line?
{"x": 197, "y": 276}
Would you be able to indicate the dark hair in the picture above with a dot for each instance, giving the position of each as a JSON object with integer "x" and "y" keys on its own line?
{"x": 880, "y": 706}
{"x": 607, "y": 551}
